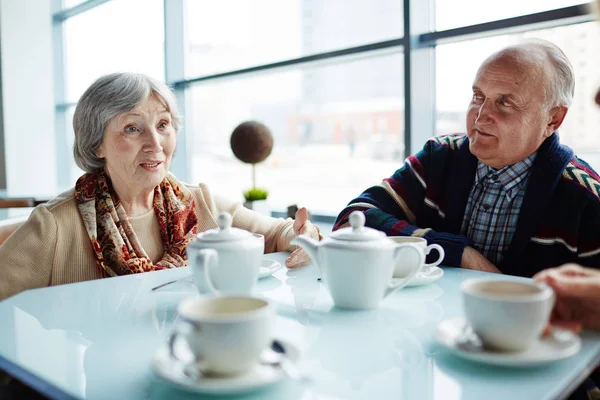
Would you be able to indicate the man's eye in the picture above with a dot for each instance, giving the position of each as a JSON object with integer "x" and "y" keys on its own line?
{"x": 477, "y": 97}
{"x": 505, "y": 103}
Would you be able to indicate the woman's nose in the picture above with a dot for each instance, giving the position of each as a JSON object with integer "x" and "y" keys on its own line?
{"x": 153, "y": 141}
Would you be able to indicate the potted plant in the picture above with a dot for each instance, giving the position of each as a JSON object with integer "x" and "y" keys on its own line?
{"x": 252, "y": 142}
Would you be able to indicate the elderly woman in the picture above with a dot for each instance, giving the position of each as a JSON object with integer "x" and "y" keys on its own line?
{"x": 127, "y": 213}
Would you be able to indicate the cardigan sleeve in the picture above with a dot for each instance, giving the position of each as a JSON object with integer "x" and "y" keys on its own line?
{"x": 588, "y": 246}
{"x": 278, "y": 232}
{"x": 394, "y": 205}
{"x": 27, "y": 256}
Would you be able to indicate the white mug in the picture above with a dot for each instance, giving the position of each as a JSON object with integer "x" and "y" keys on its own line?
{"x": 406, "y": 262}
{"x": 507, "y": 315}
{"x": 225, "y": 335}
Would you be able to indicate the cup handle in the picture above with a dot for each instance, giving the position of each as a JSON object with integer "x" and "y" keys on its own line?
{"x": 184, "y": 328}
{"x": 440, "y": 251}
{"x": 399, "y": 283}
{"x": 206, "y": 260}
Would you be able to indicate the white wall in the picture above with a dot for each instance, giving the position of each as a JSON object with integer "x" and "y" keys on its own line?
{"x": 28, "y": 96}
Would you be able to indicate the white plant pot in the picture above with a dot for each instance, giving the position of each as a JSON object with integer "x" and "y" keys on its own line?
{"x": 260, "y": 206}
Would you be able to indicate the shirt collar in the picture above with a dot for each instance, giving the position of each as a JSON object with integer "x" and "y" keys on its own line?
{"x": 510, "y": 177}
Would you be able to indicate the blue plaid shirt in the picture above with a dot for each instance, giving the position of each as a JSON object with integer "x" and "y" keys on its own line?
{"x": 493, "y": 207}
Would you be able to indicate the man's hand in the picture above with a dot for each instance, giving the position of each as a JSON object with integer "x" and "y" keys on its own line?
{"x": 577, "y": 292}
{"x": 302, "y": 226}
{"x": 472, "y": 259}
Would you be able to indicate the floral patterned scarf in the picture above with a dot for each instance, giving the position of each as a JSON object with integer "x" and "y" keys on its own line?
{"x": 117, "y": 249}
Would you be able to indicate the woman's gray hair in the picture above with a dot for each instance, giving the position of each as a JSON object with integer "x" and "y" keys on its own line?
{"x": 107, "y": 97}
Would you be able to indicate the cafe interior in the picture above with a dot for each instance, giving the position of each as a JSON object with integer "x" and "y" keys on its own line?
{"x": 343, "y": 91}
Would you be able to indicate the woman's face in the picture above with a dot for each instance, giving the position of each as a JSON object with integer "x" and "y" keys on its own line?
{"x": 138, "y": 146}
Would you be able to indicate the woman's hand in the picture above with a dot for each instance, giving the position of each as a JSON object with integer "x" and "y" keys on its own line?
{"x": 577, "y": 292}
{"x": 302, "y": 226}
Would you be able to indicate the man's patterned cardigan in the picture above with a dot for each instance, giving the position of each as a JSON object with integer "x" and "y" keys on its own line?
{"x": 559, "y": 220}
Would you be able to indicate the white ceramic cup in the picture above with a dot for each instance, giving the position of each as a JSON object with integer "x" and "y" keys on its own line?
{"x": 229, "y": 269}
{"x": 225, "y": 335}
{"x": 407, "y": 260}
{"x": 507, "y": 315}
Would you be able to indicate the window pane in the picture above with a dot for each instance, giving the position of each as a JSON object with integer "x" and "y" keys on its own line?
{"x": 124, "y": 35}
{"x": 265, "y": 31}
{"x": 71, "y": 3}
{"x": 338, "y": 129}
{"x": 451, "y": 14}
{"x": 580, "y": 44}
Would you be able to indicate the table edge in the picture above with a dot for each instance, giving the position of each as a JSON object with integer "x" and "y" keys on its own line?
{"x": 32, "y": 380}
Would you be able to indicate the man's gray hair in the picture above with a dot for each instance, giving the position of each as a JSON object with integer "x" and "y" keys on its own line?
{"x": 107, "y": 97}
{"x": 558, "y": 71}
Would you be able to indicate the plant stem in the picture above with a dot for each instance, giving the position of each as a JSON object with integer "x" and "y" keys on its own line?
{"x": 253, "y": 176}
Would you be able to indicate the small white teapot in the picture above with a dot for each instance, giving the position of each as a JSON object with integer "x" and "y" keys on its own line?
{"x": 358, "y": 262}
{"x": 226, "y": 260}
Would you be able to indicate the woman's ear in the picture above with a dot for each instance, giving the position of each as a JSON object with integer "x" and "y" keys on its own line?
{"x": 100, "y": 152}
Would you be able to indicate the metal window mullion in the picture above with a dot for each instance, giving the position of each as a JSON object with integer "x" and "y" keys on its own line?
{"x": 174, "y": 22}
{"x": 60, "y": 15}
{"x": 63, "y": 165}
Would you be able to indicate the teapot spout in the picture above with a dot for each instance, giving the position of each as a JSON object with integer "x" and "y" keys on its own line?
{"x": 309, "y": 245}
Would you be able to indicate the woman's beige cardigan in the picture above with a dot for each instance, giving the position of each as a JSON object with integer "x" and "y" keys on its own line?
{"x": 53, "y": 248}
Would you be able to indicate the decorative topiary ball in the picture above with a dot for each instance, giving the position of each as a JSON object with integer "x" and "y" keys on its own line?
{"x": 251, "y": 142}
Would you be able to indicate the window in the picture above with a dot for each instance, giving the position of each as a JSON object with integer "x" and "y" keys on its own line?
{"x": 266, "y": 31}
{"x": 454, "y": 14}
{"x": 337, "y": 130}
{"x": 131, "y": 39}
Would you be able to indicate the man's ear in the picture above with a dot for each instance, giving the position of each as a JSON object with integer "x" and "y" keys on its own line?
{"x": 557, "y": 116}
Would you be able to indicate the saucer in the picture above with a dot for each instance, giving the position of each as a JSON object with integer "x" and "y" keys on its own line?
{"x": 558, "y": 345}
{"x": 261, "y": 375}
{"x": 268, "y": 267}
{"x": 427, "y": 276}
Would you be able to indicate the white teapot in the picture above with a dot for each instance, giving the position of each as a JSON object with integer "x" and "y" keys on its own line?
{"x": 357, "y": 263}
{"x": 226, "y": 260}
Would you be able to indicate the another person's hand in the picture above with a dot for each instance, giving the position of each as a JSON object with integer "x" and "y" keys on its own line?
{"x": 577, "y": 292}
{"x": 302, "y": 226}
{"x": 472, "y": 259}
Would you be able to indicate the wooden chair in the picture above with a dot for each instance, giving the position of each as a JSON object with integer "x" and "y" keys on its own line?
{"x": 17, "y": 202}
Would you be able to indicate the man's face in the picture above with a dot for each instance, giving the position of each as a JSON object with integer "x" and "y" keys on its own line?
{"x": 507, "y": 118}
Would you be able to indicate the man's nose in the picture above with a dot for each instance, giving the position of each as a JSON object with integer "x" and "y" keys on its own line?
{"x": 598, "y": 97}
{"x": 484, "y": 112}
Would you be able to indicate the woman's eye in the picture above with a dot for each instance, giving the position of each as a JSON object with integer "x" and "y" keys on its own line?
{"x": 163, "y": 125}
{"x": 131, "y": 129}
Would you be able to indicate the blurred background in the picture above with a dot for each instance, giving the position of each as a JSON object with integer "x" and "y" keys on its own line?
{"x": 348, "y": 88}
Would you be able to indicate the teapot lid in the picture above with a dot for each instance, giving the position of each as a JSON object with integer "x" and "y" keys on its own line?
{"x": 357, "y": 231}
{"x": 224, "y": 232}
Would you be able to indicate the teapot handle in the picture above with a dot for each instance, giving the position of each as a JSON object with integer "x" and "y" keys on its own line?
{"x": 399, "y": 283}
{"x": 206, "y": 260}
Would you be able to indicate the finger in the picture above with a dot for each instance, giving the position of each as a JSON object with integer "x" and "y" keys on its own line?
{"x": 297, "y": 259}
{"x": 310, "y": 230}
{"x": 574, "y": 326}
{"x": 300, "y": 219}
{"x": 577, "y": 287}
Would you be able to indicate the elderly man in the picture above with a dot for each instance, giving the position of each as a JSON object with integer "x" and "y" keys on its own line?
{"x": 507, "y": 196}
